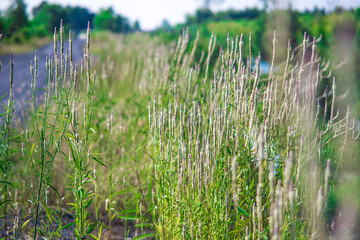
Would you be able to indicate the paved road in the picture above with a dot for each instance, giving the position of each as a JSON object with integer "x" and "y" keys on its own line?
{"x": 22, "y": 76}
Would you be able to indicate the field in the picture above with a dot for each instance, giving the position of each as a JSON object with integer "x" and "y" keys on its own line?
{"x": 149, "y": 140}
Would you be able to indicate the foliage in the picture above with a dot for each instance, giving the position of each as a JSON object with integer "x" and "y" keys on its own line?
{"x": 17, "y": 17}
{"x": 107, "y": 20}
{"x": 49, "y": 16}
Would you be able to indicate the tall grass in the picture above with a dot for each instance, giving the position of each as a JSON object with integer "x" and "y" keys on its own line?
{"x": 243, "y": 154}
{"x": 8, "y": 147}
{"x": 55, "y": 128}
{"x": 171, "y": 144}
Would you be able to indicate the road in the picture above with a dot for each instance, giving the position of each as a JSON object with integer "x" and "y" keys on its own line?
{"x": 22, "y": 76}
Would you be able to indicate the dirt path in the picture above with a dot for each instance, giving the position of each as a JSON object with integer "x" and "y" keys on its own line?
{"x": 22, "y": 76}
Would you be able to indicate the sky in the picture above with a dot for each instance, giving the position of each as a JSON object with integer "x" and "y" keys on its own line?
{"x": 151, "y": 13}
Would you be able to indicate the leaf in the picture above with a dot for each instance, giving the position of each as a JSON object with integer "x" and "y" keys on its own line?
{"x": 93, "y": 237}
{"x": 70, "y": 136}
{"x": 143, "y": 225}
{"x": 14, "y": 137}
{"x": 91, "y": 228}
{"x": 67, "y": 225}
{"x": 26, "y": 223}
{"x": 88, "y": 203}
{"x": 4, "y": 202}
{"x": 9, "y": 183}
{"x": 48, "y": 213}
{"x": 243, "y": 211}
{"x": 32, "y": 149}
{"x": 98, "y": 161}
{"x": 101, "y": 224}
{"x": 71, "y": 204}
{"x": 52, "y": 187}
{"x": 97, "y": 154}
{"x": 6, "y": 93}
{"x": 128, "y": 217}
{"x": 144, "y": 236}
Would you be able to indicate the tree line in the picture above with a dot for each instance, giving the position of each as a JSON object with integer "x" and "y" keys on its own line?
{"x": 17, "y": 26}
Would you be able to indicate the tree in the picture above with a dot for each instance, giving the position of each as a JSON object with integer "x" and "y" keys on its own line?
{"x": 17, "y": 17}
{"x": 203, "y": 15}
{"x": 79, "y": 17}
{"x": 136, "y": 26}
{"x": 50, "y": 16}
{"x": 107, "y": 20}
{"x": 2, "y": 25}
{"x": 121, "y": 24}
{"x": 103, "y": 20}
{"x": 36, "y": 10}
{"x": 165, "y": 26}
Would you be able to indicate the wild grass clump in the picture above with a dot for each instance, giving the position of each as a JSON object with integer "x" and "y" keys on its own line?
{"x": 241, "y": 154}
{"x": 56, "y": 130}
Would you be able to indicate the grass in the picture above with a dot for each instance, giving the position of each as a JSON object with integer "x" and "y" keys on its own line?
{"x": 240, "y": 145}
{"x": 165, "y": 143}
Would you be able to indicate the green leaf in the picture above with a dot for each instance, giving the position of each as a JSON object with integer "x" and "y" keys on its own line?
{"x": 32, "y": 149}
{"x": 3, "y": 96}
{"x": 145, "y": 236}
{"x": 70, "y": 136}
{"x": 48, "y": 213}
{"x": 52, "y": 187}
{"x": 68, "y": 225}
{"x": 243, "y": 211}
{"x": 88, "y": 203}
{"x": 93, "y": 237}
{"x": 98, "y": 161}
{"x": 9, "y": 183}
{"x": 2, "y": 203}
{"x": 14, "y": 137}
{"x": 128, "y": 217}
{"x": 91, "y": 228}
{"x": 101, "y": 224}
{"x": 97, "y": 154}
{"x": 143, "y": 225}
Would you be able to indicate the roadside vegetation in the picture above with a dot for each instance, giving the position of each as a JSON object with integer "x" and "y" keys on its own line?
{"x": 153, "y": 136}
{"x": 155, "y": 141}
{"x": 23, "y": 32}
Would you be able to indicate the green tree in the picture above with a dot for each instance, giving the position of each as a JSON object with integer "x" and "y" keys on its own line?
{"x": 203, "y": 15}
{"x": 36, "y": 10}
{"x": 50, "y": 16}
{"x": 79, "y": 17}
{"x": 17, "y": 17}
{"x": 165, "y": 26}
{"x": 104, "y": 19}
{"x": 2, "y": 25}
{"x": 136, "y": 26}
{"x": 107, "y": 20}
